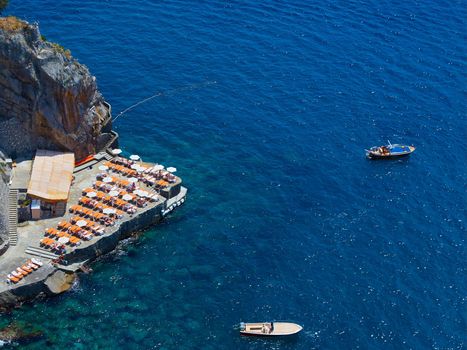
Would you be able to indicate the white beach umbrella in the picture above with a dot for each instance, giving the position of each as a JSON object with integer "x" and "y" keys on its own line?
{"x": 135, "y": 157}
{"x": 127, "y": 197}
{"x": 133, "y": 179}
{"x": 103, "y": 167}
{"x": 143, "y": 193}
{"x": 63, "y": 240}
{"x": 81, "y": 223}
{"x": 91, "y": 194}
{"x": 116, "y": 151}
{"x": 171, "y": 169}
{"x": 134, "y": 166}
{"x": 158, "y": 167}
{"x": 113, "y": 193}
{"x": 107, "y": 179}
{"x": 109, "y": 211}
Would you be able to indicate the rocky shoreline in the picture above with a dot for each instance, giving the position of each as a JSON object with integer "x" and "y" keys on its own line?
{"x": 57, "y": 278}
{"x": 51, "y": 101}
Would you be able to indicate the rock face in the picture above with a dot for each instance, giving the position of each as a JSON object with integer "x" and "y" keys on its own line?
{"x": 47, "y": 99}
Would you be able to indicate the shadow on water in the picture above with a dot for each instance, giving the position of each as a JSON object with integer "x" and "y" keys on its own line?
{"x": 280, "y": 342}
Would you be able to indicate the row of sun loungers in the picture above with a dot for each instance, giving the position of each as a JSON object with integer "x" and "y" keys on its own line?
{"x": 27, "y": 268}
{"x": 103, "y": 202}
{"x": 93, "y": 215}
{"x": 133, "y": 198}
{"x": 91, "y": 225}
{"x": 74, "y": 233}
{"x": 122, "y": 183}
{"x": 127, "y": 171}
{"x": 151, "y": 176}
{"x": 52, "y": 245}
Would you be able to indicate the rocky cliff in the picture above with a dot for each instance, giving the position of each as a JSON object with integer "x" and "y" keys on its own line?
{"x": 47, "y": 99}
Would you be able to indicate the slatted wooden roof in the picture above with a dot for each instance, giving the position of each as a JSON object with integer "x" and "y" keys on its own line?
{"x": 51, "y": 175}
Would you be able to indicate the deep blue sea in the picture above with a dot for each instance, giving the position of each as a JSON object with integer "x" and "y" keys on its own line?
{"x": 265, "y": 108}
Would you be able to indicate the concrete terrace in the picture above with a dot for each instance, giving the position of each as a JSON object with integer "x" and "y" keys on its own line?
{"x": 31, "y": 232}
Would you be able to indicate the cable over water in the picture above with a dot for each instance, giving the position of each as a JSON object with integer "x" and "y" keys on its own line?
{"x": 166, "y": 93}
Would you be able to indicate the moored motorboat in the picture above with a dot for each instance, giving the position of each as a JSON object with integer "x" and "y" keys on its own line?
{"x": 389, "y": 151}
{"x": 269, "y": 328}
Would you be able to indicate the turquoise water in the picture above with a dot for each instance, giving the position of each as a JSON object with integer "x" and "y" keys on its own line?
{"x": 266, "y": 108}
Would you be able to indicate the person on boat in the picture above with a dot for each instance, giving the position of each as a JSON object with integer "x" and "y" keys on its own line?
{"x": 271, "y": 328}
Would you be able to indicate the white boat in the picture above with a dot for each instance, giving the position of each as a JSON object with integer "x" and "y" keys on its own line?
{"x": 270, "y": 328}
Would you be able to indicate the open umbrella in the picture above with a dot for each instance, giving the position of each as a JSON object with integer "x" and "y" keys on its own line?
{"x": 113, "y": 193}
{"x": 171, "y": 169}
{"x": 103, "y": 167}
{"x": 109, "y": 211}
{"x": 127, "y": 197}
{"x": 158, "y": 167}
{"x": 134, "y": 166}
{"x": 63, "y": 240}
{"x": 143, "y": 193}
{"x": 91, "y": 194}
{"x": 133, "y": 179}
{"x": 107, "y": 179}
{"x": 81, "y": 223}
{"x": 116, "y": 151}
{"x": 135, "y": 157}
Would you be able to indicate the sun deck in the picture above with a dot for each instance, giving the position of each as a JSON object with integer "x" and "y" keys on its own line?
{"x": 31, "y": 233}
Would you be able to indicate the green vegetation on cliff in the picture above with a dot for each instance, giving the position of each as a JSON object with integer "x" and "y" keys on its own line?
{"x": 12, "y": 24}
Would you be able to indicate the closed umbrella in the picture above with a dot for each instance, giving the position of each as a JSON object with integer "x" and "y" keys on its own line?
{"x": 91, "y": 194}
{"x": 135, "y": 157}
{"x": 116, "y": 151}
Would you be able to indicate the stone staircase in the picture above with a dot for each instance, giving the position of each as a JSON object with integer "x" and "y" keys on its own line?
{"x": 13, "y": 216}
{"x": 43, "y": 253}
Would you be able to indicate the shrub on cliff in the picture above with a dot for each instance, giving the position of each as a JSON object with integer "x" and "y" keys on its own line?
{"x": 61, "y": 49}
{"x": 12, "y": 24}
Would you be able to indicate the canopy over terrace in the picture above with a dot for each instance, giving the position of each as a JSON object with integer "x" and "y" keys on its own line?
{"x": 51, "y": 175}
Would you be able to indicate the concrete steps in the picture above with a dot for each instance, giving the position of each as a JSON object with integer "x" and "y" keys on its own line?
{"x": 13, "y": 216}
{"x": 43, "y": 253}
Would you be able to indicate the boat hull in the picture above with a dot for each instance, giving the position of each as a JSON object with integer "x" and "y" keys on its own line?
{"x": 395, "y": 151}
{"x": 263, "y": 329}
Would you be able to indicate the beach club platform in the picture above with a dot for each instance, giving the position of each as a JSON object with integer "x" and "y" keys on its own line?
{"x": 109, "y": 199}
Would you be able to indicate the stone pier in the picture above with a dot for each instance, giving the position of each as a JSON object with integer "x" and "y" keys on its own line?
{"x": 54, "y": 278}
